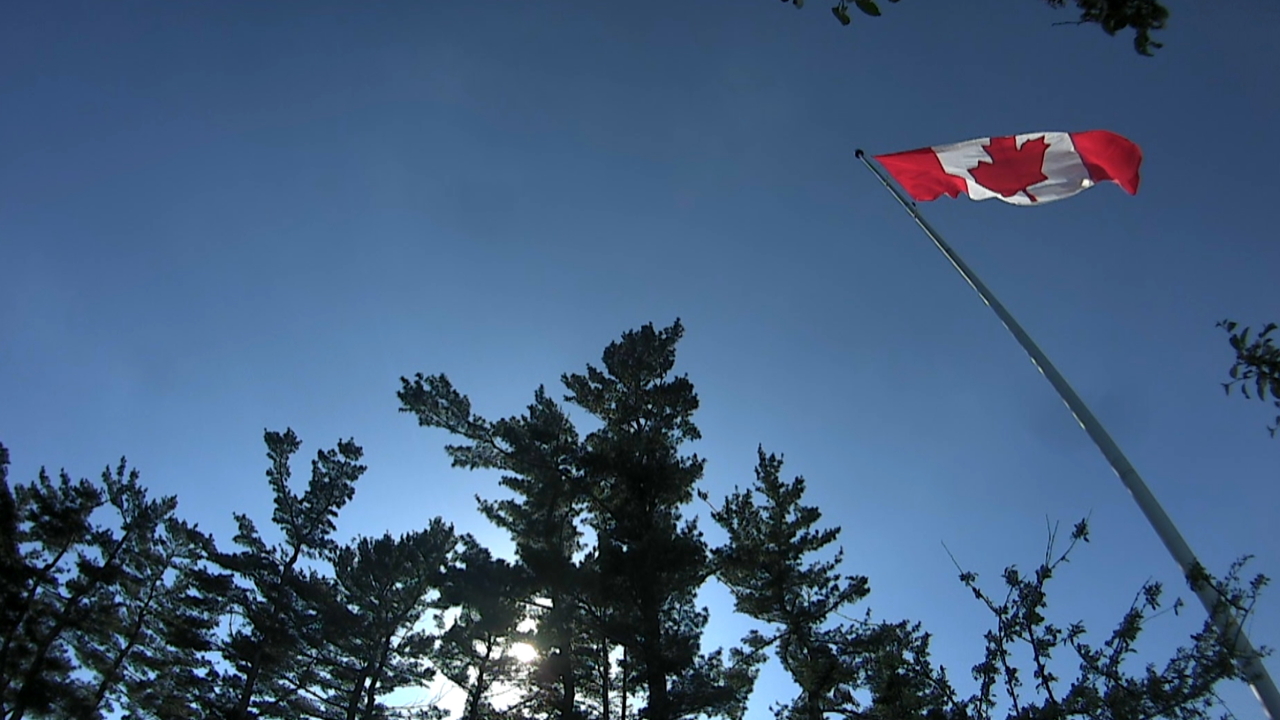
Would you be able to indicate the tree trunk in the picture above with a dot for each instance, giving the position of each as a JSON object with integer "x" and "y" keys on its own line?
{"x": 357, "y": 693}
{"x": 568, "y": 683}
{"x": 654, "y": 665}
{"x": 375, "y": 679}
{"x": 241, "y": 711}
{"x": 623, "y": 667}
{"x": 109, "y": 677}
{"x": 656, "y": 682}
{"x": 255, "y": 666}
{"x": 606, "y": 679}
{"x": 478, "y": 689}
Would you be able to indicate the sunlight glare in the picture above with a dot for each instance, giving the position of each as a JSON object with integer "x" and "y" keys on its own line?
{"x": 524, "y": 652}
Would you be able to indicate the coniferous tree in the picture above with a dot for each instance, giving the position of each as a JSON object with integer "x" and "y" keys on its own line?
{"x": 101, "y": 611}
{"x": 148, "y": 641}
{"x": 542, "y": 447}
{"x": 47, "y": 527}
{"x": 538, "y": 453}
{"x": 171, "y": 674}
{"x": 111, "y": 604}
{"x": 648, "y": 561}
{"x": 277, "y": 603}
{"x": 767, "y": 565}
{"x": 474, "y": 652}
{"x": 651, "y": 561}
{"x": 375, "y": 638}
{"x": 79, "y": 591}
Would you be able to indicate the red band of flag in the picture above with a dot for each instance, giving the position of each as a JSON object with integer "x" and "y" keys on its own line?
{"x": 1026, "y": 169}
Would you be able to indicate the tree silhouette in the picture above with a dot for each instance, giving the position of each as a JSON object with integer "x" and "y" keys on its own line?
{"x": 112, "y": 606}
{"x": 539, "y": 453}
{"x": 1142, "y": 16}
{"x": 474, "y": 651}
{"x": 375, "y": 640}
{"x": 1257, "y": 364}
{"x": 767, "y": 565}
{"x": 648, "y": 556}
{"x": 276, "y": 602}
{"x": 107, "y": 604}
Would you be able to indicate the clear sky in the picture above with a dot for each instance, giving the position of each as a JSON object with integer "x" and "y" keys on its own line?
{"x": 222, "y": 217}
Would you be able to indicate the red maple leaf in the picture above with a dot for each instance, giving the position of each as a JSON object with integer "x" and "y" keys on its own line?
{"x": 1012, "y": 169}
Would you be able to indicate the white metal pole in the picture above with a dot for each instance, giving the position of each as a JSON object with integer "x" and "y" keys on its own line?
{"x": 1250, "y": 661}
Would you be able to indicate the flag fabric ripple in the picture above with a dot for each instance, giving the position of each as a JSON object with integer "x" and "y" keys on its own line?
{"x": 1027, "y": 169}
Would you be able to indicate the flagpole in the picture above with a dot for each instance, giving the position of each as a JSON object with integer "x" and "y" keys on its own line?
{"x": 1249, "y": 659}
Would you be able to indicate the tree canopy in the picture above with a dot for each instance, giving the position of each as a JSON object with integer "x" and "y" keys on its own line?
{"x": 1143, "y": 17}
{"x": 113, "y": 606}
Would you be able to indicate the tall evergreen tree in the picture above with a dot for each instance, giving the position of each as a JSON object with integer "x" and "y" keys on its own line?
{"x": 484, "y": 593}
{"x": 158, "y": 614}
{"x": 96, "y": 605}
{"x": 648, "y": 560}
{"x": 375, "y": 642}
{"x": 767, "y": 565}
{"x": 539, "y": 453}
{"x": 171, "y": 672}
{"x": 111, "y": 603}
{"x": 649, "y": 557}
{"x": 277, "y": 603}
{"x": 542, "y": 449}
{"x": 52, "y": 535}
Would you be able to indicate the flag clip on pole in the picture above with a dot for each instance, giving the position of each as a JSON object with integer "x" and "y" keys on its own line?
{"x": 1249, "y": 659}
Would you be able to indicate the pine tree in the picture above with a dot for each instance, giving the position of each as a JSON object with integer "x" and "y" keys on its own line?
{"x": 542, "y": 447}
{"x": 74, "y": 591}
{"x": 538, "y": 453}
{"x": 767, "y": 566}
{"x": 48, "y": 527}
{"x": 648, "y": 562}
{"x": 375, "y": 641}
{"x": 278, "y": 602}
{"x": 474, "y": 647}
{"x": 158, "y": 614}
{"x": 171, "y": 675}
{"x": 95, "y": 606}
{"x": 651, "y": 561}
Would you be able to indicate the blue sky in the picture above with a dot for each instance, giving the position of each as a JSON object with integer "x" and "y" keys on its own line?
{"x": 220, "y": 217}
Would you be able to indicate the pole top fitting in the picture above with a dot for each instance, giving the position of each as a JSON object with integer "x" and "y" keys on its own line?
{"x": 858, "y": 153}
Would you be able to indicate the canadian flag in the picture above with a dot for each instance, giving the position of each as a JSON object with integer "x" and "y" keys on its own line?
{"x": 1028, "y": 169}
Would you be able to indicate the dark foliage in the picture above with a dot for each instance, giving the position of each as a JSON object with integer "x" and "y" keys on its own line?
{"x": 112, "y": 606}
{"x": 1257, "y": 365}
{"x": 1113, "y": 16}
{"x": 276, "y": 617}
